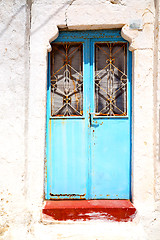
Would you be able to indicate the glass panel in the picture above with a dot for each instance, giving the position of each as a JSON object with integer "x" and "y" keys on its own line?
{"x": 111, "y": 79}
{"x": 67, "y": 79}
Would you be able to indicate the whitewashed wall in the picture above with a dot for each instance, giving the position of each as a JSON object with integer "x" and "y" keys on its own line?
{"x": 26, "y": 28}
{"x": 14, "y": 77}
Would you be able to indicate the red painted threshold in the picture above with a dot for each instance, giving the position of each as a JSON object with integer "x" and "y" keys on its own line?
{"x": 115, "y": 210}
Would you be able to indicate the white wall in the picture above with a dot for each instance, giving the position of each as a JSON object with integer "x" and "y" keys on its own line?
{"x": 13, "y": 88}
{"x": 25, "y": 32}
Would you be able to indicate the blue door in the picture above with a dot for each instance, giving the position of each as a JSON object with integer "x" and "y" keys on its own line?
{"x": 89, "y": 117}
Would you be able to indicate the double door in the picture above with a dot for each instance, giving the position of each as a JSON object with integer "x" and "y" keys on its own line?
{"x": 89, "y": 117}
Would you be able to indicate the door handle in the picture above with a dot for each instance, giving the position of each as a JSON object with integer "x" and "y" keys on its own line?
{"x": 93, "y": 122}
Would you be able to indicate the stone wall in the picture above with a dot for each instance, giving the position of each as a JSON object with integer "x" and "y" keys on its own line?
{"x": 26, "y": 30}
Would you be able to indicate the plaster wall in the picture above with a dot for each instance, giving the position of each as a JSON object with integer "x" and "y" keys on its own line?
{"x": 13, "y": 78}
{"x": 26, "y": 30}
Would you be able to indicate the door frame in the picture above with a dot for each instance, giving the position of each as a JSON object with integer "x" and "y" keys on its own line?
{"x": 78, "y": 36}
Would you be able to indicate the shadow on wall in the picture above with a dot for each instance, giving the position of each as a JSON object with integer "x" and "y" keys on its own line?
{"x": 44, "y": 23}
{"x": 11, "y": 20}
{"x": 51, "y": 16}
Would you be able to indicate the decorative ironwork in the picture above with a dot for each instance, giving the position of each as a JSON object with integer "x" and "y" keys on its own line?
{"x": 111, "y": 79}
{"x": 67, "y": 79}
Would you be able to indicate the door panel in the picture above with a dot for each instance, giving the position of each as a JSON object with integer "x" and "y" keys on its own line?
{"x": 68, "y": 151}
{"x": 67, "y": 118}
{"x": 110, "y": 152}
{"x": 110, "y": 125}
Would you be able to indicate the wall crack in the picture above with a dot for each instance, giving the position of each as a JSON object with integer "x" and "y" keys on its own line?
{"x": 66, "y": 17}
{"x": 27, "y": 77}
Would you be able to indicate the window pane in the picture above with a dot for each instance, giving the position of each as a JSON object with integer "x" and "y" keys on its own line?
{"x": 111, "y": 79}
{"x": 67, "y": 79}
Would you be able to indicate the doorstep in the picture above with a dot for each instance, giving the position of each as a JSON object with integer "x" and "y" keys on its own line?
{"x": 113, "y": 210}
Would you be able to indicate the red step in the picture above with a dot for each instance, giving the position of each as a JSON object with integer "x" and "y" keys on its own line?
{"x": 114, "y": 210}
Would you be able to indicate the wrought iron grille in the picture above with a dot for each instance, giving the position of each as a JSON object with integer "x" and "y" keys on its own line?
{"x": 111, "y": 79}
{"x": 67, "y": 79}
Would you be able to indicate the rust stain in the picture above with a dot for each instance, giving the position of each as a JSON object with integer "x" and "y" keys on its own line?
{"x": 107, "y": 115}
{"x": 63, "y": 122}
{"x": 82, "y": 197}
{"x": 69, "y": 196}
